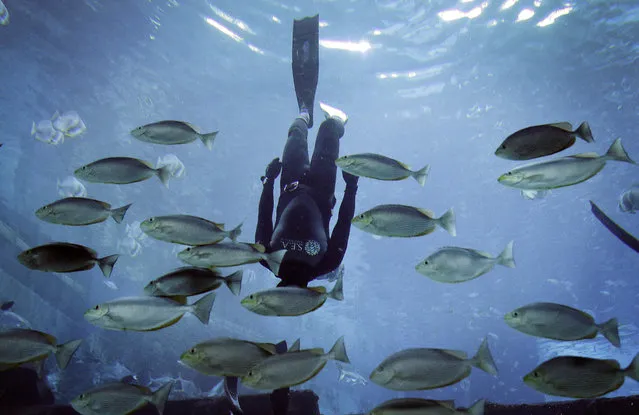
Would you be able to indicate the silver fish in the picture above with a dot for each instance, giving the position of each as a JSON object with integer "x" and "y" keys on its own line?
{"x": 230, "y": 254}
{"x": 580, "y": 377}
{"x": 418, "y": 406}
{"x": 403, "y": 221}
{"x": 291, "y": 301}
{"x": 187, "y": 230}
{"x": 187, "y": 281}
{"x": 294, "y": 368}
{"x": 119, "y": 398}
{"x": 146, "y": 313}
{"x": 226, "y": 356}
{"x": 542, "y": 140}
{"x": 19, "y": 346}
{"x": 121, "y": 170}
{"x": 376, "y": 166}
{"x": 564, "y": 171}
{"x": 560, "y": 322}
{"x": 422, "y": 368}
{"x": 65, "y": 257}
{"x": 70, "y": 124}
{"x": 453, "y": 264}
{"x": 79, "y": 211}
{"x": 172, "y": 132}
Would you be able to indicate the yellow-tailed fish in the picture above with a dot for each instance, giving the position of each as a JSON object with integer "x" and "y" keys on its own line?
{"x": 403, "y": 221}
{"x": 65, "y": 257}
{"x": 230, "y": 254}
{"x": 564, "y": 171}
{"x": 560, "y": 322}
{"x": 376, "y": 166}
{"x": 580, "y": 377}
{"x": 293, "y": 368}
{"x": 453, "y": 264}
{"x": 146, "y": 313}
{"x": 80, "y": 211}
{"x": 542, "y": 140}
{"x": 172, "y": 132}
{"x": 629, "y": 200}
{"x": 119, "y": 398}
{"x": 422, "y": 368}
{"x": 187, "y": 230}
{"x": 121, "y": 170}
{"x": 20, "y": 346}
{"x": 187, "y": 281}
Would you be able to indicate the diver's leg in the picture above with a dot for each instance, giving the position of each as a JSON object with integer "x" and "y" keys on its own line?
{"x": 323, "y": 171}
{"x": 280, "y": 397}
{"x": 295, "y": 158}
{"x": 306, "y": 63}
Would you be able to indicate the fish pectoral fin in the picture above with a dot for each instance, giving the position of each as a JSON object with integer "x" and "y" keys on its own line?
{"x": 167, "y": 324}
{"x": 321, "y": 290}
{"x": 484, "y": 254}
{"x": 566, "y": 126}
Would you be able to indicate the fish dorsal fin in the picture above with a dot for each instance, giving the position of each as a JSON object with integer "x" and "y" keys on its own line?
{"x": 321, "y": 290}
{"x": 456, "y": 353}
{"x": 295, "y": 347}
{"x": 268, "y": 347}
{"x": 585, "y": 156}
{"x": 566, "y": 126}
{"x": 146, "y": 163}
{"x": 194, "y": 127}
{"x": 426, "y": 212}
{"x": 220, "y": 226}
{"x": 318, "y": 351}
{"x": 484, "y": 254}
{"x": 259, "y": 248}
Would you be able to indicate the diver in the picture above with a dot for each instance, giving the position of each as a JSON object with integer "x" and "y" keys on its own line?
{"x": 307, "y": 190}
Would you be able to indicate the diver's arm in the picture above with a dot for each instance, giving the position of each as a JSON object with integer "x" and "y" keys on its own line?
{"x": 339, "y": 238}
{"x": 264, "y": 229}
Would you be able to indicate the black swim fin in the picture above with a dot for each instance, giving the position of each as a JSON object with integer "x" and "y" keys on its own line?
{"x": 306, "y": 62}
{"x": 280, "y": 397}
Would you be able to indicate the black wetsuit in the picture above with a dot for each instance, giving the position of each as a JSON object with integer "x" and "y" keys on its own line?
{"x": 304, "y": 213}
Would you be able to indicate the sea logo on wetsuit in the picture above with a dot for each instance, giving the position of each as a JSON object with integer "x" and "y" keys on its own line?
{"x": 312, "y": 248}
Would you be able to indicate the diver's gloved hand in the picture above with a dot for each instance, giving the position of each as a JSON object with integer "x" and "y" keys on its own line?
{"x": 350, "y": 179}
{"x": 272, "y": 170}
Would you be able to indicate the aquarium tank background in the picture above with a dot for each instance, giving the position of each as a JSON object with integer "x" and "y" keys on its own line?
{"x": 425, "y": 82}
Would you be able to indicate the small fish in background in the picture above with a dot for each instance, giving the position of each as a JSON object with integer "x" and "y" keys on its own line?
{"x": 629, "y": 200}
{"x": 4, "y": 14}
{"x": 174, "y": 164}
{"x": 80, "y": 211}
{"x": 172, "y": 132}
{"x": 11, "y": 320}
{"x": 130, "y": 246}
{"x": 71, "y": 187}
{"x": 534, "y": 194}
{"x": 120, "y": 398}
{"x": 20, "y": 346}
{"x": 580, "y": 377}
{"x": 350, "y": 377}
{"x": 69, "y": 123}
{"x": 188, "y": 230}
{"x": 542, "y": 140}
{"x": 403, "y": 221}
{"x": 188, "y": 281}
{"x": 44, "y": 131}
{"x": 419, "y": 406}
{"x": 121, "y": 170}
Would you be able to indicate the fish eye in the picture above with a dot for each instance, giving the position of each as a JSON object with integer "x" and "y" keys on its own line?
{"x": 535, "y": 374}
{"x": 150, "y": 219}
{"x": 192, "y": 351}
{"x": 503, "y": 146}
{"x": 188, "y": 249}
{"x": 250, "y": 373}
{"x": 515, "y": 314}
{"x": 82, "y": 396}
{"x": 97, "y": 307}
{"x": 251, "y": 296}
{"x": 425, "y": 262}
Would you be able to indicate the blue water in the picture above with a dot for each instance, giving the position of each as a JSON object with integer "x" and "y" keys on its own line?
{"x": 435, "y": 82}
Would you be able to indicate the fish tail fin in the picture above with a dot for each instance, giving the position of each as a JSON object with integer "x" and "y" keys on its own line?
{"x": 118, "y": 214}
{"x": 33, "y": 128}
{"x": 506, "y": 258}
{"x": 477, "y": 408}
{"x": 422, "y": 174}
{"x": 106, "y": 264}
{"x": 338, "y": 351}
{"x": 610, "y": 330}
{"x": 64, "y": 352}
{"x": 633, "y": 369}
{"x": 164, "y": 174}
{"x": 234, "y": 282}
{"x": 296, "y": 346}
{"x": 447, "y": 221}
{"x": 274, "y": 260}
{"x": 202, "y": 308}
{"x": 209, "y": 139}
{"x": 484, "y": 359}
{"x": 583, "y": 132}
{"x": 235, "y": 232}
{"x": 618, "y": 153}
{"x": 337, "y": 293}
{"x": 160, "y": 396}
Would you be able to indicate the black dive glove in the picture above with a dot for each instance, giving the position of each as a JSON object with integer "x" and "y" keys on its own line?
{"x": 272, "y": 171}
{"x": 350, "y": 179}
